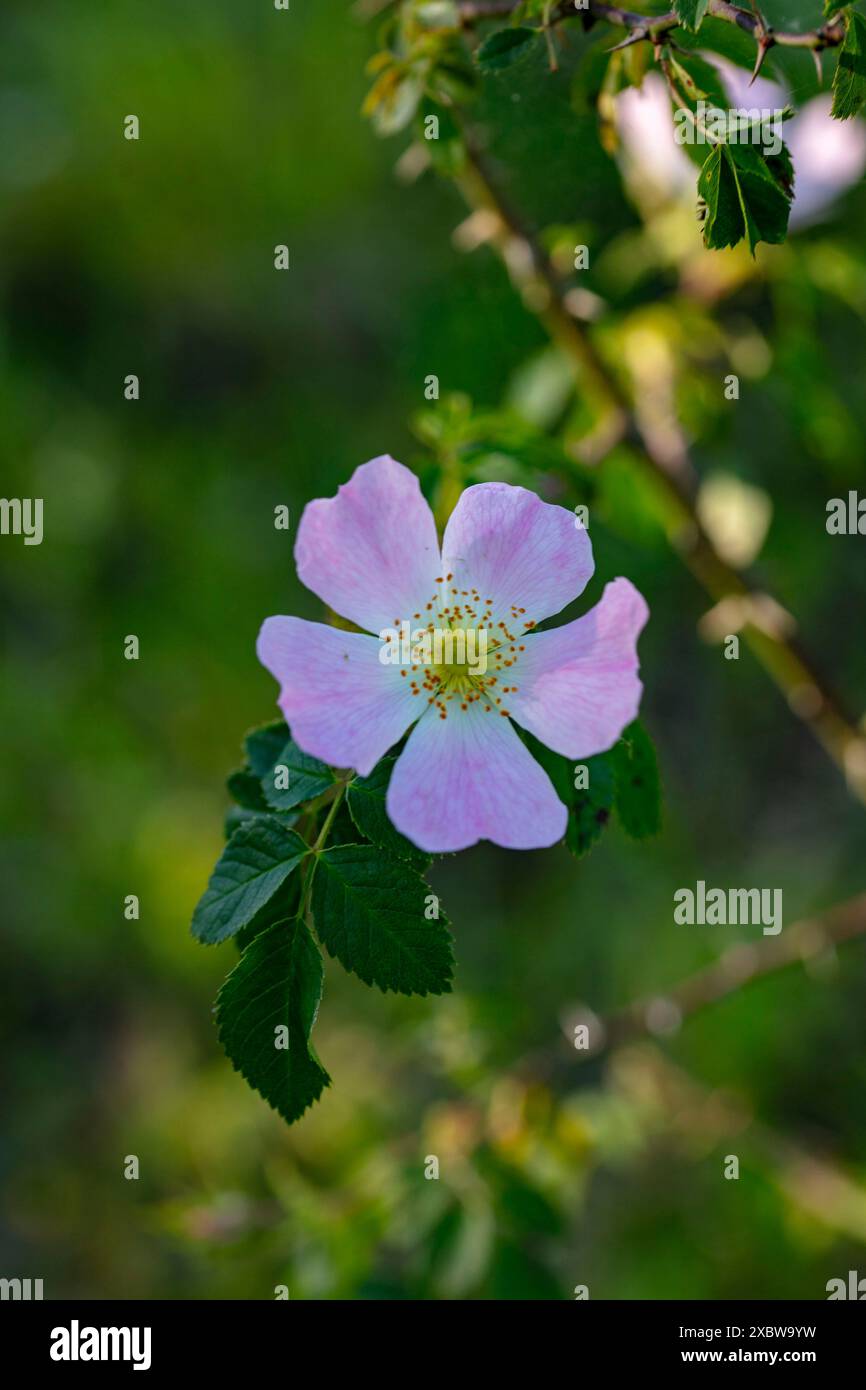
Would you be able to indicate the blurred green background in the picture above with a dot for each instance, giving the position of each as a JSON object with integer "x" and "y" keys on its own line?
{"x": 259, "y": 388}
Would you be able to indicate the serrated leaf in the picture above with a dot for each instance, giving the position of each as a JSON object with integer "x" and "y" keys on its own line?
{"x": 849, "y": 81}
{"x": 369, "y": 914}
{"x": 366, "y": 802}
{"x": 257, "y": 859}
{"x": 691, "y": 12}
{"x": 306, "y": 778}
{"x": 505, "y": 47}
{"x": 277, "y": 984}
{"x": 638, "y": 786}
{"x": 237, "y": 816}
{"x": 590, "y": 807}
{"x": 272, "y": 746}
{"x": 742, "y": 198}
{"x": 282, "y": 905}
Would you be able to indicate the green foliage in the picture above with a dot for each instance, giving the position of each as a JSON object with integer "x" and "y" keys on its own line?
{"x": 366, "y": 801}
{"x": 370, "y": 914}
{"x": 744, "y": 194}
{"x": 263, "y": 746}
{"x": 265, "y": 1015}
{"x": 590, "y": 808}
{"x": 691, "y": 12}
{"x": 370, "y": 905}
{"x": 638, "y": 785}
{"x": 268, "y": 749}
{"x": 256, "y": 861}
{"x": 307, "y": 778}
{"x": 245, "y": 788}
{"x": 283, "y": 905}
{"x": 393, "y": 99}
{"x": 697, "y": 79}
{"x": 161, "y": 512}
{"x": 506, "y": 47}
{"x": 446, "y": 149}
{"x": 849, "y": 82}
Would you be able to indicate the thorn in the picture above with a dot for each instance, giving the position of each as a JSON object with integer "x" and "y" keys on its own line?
{"x": 637, "y": 37}
{"x": 765, "y": 43}
{"x": 817, "y": 56}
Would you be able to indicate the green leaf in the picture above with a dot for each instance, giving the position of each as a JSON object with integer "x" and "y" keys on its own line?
{"x": 272, "y": 996}
{"x": 237, "y": 816}
{"x": 263, "y": 746}
{"x": 557, "y": 767}
{"x": 717, "y": 190}
{"x": 742, "y": 197}
{"x": 306, "y": 778}
{"x": 698, "y": 80}
{"x": 366, "y": 801}
{"x": 245, "y": 788}
{"x": 369, "y": 913}
{"x": 505, "y": 47}
{"x": 849, "y": 82}
{"x": 691, "y": 12}
{"x": 638, "y": 786}
{"x": 272, "y": 747}
{"x": 590, "y": 807}
{"x": 282, "y": 905}
{"x": 257, "y": 859}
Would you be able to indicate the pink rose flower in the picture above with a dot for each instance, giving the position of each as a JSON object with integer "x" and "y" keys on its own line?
{"x": 508, "y": 560}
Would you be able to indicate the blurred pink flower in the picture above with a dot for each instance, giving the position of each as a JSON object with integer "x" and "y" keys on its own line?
{"x": 829, "y": 156}
{"x": 508, "y": 561}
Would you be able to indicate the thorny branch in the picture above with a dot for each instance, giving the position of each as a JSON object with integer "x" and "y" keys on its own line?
{"x": 764, "y": 625}
{"x": 652, "y": 27}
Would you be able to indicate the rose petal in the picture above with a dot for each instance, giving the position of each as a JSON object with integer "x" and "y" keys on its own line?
{"x": 468, "y": 778}
{"x": 371, "y": 553}
{"x": 577, "y": 685}
{"x": 515, "y": 550}
{"x": 340, "y": 702}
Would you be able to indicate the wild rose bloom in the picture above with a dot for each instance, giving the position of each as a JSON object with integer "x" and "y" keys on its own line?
{"x": 508, "y": 561}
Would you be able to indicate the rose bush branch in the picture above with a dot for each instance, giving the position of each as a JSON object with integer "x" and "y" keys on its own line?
{"x": 653, "y": 27}
{"x": 803, "y": 942}
{"x": 545, "y": 294}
